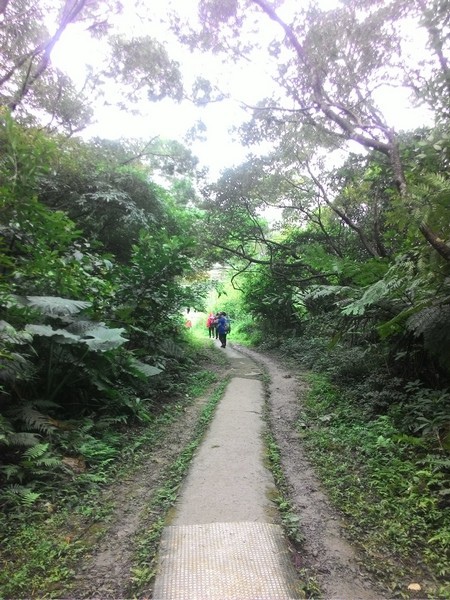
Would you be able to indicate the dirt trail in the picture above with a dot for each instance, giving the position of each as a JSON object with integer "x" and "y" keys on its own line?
{"x": 326, "y": 554}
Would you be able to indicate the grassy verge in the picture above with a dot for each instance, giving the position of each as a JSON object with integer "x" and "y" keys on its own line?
{"x": 308, "y": 587}
{"x": 389, "y": 490}
{"x": 42, "y": 543}
{"x": 147, "y": 543}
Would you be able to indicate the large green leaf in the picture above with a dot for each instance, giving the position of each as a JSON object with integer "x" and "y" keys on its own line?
{"x": 102, "y": 339}
{"x": 61, "y": 335}
{"x": 97, "y": 336}
{"x": 81, "y": 327}
{"x": 52, "y": 305}
{"x": 144, "y": 369}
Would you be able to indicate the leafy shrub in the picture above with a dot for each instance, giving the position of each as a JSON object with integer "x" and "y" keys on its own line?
{"x": 307, "y": 351}
{"x": 348, "y": 365}
{"x": 377, "y": 392}
{"x": 425, "y": 411}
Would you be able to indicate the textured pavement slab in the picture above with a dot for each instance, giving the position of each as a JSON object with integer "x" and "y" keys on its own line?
{"x": 225, "y": 561}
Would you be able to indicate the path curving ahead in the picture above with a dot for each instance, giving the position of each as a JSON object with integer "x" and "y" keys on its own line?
{"x": 225, "y": 541}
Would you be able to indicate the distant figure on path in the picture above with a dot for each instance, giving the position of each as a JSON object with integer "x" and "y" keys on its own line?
{"x": 223, "y": 328}
{"x": 210, "y": 325}
{"x": 188, "y": 324}
{"x": 216, "y": 323}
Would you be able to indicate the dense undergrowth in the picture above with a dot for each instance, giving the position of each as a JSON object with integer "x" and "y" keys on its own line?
{"x": 42, "y": 542}
{"x": 376, "y": 442}
{"x": 91, "y": 334}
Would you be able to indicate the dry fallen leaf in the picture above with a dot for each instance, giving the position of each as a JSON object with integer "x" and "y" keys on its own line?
{"x": 414, "y": 587}
{"x": 76, "y": 464}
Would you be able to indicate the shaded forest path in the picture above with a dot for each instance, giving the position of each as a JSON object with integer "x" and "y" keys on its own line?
{"x": 224, "y": 512}
{"x": 225, "y": 541}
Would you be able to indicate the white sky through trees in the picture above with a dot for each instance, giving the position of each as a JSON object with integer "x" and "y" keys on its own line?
{"x": 247, "y": 82}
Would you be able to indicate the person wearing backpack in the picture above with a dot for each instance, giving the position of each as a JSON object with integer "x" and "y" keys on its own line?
{"x": 210, "y": 325}
{"x": 223, "y": 329}
{"x": 216, "y": 322}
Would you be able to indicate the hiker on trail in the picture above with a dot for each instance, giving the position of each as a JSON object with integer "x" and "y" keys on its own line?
{"x": 216, "y": 323}
{"x": 210, "y": 325}
{"x": 223, "y": 328}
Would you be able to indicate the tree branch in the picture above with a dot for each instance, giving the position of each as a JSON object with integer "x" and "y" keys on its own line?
{"x": 72, "y": 9}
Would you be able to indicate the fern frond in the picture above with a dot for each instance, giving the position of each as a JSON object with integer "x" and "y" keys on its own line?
{"x": 29, "y": 498}
{"x": 169, "y": 348}
{"x": 48, "y": 461}
{"x": 24, "y": 439}
{"x": 323, "y": 291}
{"x": 15, "y": 489}
{"x": 373, "y": 294}
{"x": 11, "y": 471}
{"x": 35, "y": 419}
{"x": 36, "y": 451}
{"x": 92, "y": 478}
{"x": 433, "y": 323}
{"x": 106, "y": 423}
{"x": 24, "y": 495}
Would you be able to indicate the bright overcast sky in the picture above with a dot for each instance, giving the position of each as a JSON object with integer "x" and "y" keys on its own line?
{"x": 172, "y": 120}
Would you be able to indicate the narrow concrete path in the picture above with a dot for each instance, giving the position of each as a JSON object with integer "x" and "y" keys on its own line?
{"x": 225, "y": 541}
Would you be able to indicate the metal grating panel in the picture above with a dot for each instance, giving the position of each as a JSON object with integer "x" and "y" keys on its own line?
{"x": 225, "y": 561}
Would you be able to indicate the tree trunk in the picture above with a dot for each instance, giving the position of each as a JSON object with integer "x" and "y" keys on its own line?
{"x": 439, "y": 245}
{"x": 72, "y": 9}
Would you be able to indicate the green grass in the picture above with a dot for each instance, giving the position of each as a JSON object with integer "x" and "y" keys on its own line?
{"x": 391, "y": 492}
{"x": 280, "y": 496}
